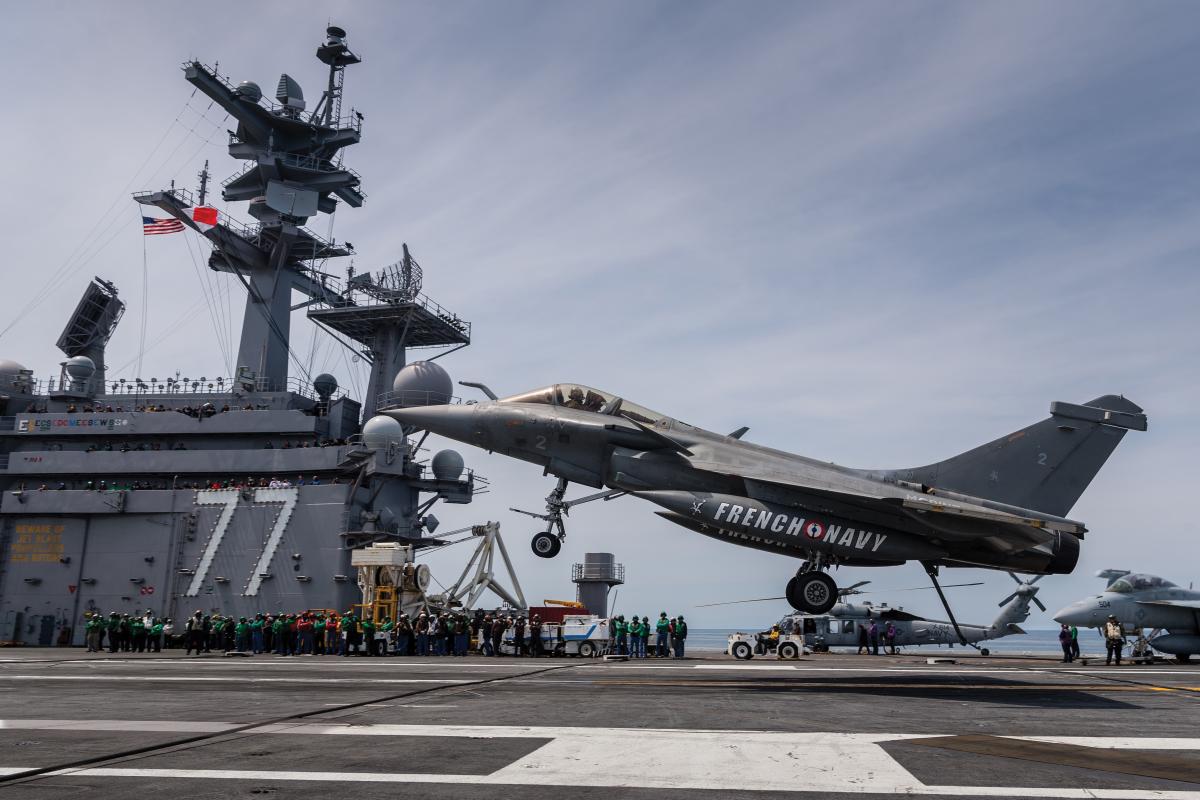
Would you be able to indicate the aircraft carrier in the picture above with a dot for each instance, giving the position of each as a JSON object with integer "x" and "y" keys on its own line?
{"x": 246, "y": 492}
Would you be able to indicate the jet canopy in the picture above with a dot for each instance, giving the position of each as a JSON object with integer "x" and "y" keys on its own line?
{"x": 1127, "y": 584}
{"x": 585, "y": 398}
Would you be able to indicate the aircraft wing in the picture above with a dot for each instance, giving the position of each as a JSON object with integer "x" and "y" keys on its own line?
{"x": 1192, "y": 604}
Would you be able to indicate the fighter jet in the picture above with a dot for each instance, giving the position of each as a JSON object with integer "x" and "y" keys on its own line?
{"x": 1142, "y": 601}
{"x": 1000, "y": 505}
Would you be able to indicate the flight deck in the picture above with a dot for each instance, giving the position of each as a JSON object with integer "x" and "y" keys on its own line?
{"x": 824, "y": 726}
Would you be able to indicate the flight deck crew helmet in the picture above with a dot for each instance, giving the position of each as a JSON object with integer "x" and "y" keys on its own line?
{"x": 662, "y": 615}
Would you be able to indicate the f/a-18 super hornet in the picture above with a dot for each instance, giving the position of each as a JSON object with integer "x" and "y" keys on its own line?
{"x": 1000, "y": 505}
{"x": 1140, "y": 601}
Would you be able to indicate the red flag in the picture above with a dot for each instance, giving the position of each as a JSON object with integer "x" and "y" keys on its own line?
{"x": 205, "y": 217}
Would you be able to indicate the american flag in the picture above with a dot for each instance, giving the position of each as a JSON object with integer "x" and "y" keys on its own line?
{"x": 151, "y": 226}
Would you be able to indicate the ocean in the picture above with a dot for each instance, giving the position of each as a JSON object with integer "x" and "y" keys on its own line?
{"x": 1037, "y": 642}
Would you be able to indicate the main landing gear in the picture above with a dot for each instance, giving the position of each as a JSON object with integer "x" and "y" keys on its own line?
{"x": 548, "y": 543}
{"x": 811, "y": 591}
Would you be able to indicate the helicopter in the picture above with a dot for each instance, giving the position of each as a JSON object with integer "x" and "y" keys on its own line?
{"x": 841, "y": 625}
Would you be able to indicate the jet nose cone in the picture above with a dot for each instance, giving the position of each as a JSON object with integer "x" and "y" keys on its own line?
{"x": 451, "y": 421}
{"x": 1074, "y": 614}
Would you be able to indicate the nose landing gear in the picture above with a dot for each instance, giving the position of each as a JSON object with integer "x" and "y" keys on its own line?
{"x": 548, "y": 543}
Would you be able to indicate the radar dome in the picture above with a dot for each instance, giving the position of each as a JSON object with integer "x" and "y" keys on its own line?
{"x": 380, "y": 430}
{"x": 448, "y": 465}
{"x": 79, "y": 368}
{"x": 249, "y": 90}
{"x": 10, "y": 367}
{"x": 325, "y": 384}
{"x": 422, "y": 383}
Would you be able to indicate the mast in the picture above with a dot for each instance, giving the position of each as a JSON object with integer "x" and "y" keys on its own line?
{"x": 294, "y": 172}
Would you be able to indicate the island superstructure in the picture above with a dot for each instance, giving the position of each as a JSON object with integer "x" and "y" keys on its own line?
{"x": 247, "y": 492}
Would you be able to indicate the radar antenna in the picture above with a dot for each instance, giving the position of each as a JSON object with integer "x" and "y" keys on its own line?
{"x": 203, "y": 176}
{"x": 337, "y": 55}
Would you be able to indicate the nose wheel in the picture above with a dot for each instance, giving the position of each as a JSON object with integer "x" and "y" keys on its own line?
{"x": 812, "y": 592}
{"x": 548, "y": 543}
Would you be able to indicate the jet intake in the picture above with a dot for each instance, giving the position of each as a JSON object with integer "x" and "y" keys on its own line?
{"x": 574, "y": 473}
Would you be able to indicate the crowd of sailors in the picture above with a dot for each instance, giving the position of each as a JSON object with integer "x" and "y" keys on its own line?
{"x": 331, "y": 633}
{"x": 214, "y": 484}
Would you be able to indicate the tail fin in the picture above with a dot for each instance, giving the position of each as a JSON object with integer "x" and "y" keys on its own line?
{"x": 1044, "y": 467}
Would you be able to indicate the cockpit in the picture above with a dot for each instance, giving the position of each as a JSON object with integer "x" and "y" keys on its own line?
{"x": 585, "y": 398}
{"x": 1127, "y": 584}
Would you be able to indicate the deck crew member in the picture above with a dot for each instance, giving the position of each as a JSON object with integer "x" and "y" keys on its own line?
{"x": 1114, "y": 639}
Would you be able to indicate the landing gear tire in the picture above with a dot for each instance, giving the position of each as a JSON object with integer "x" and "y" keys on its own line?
{"x": 546, "y": 545}
{"x": 985, "y": 652}
{"x": 789, "y": 651}
{"x": 586, "y": 649}
{"x": 741, "y": 651}
{"x": 812, "y": 593}
{"x": 1183, "y": 658}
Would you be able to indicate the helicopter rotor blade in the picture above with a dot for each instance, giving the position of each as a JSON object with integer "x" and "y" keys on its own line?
{"x": 1004, "y": 602}
{"x": 1038, "y": 603}
{"x": 921, "y": 588}
{"x": 735, "y": 602}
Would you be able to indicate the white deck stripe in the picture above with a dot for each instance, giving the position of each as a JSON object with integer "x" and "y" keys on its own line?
{"x": 867, "y": 784}
{"x": 221, "y": 679}
{"x": 821, "y": 763}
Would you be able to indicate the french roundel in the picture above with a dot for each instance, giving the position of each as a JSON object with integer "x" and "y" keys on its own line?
{"x": 814, "y": 530}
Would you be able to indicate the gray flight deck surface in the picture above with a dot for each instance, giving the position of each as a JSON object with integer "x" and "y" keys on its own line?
{"x": 828, "y": 726}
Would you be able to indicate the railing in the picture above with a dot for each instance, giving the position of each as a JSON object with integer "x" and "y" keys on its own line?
{"x": 142, "y": 391}
{"x": 352, "y": 121}
{"x": 598, "y": 572}
{"x": 410, "y": 397}
{"x": 294, "y": 160}
{"x": 186, "y": 199}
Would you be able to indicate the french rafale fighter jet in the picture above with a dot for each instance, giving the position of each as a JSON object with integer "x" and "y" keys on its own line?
{"x": 1001, "y": 505}
{"x": 1142, "y": 601}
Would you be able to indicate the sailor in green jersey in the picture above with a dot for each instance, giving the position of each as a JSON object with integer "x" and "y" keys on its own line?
{"x": 662, "y": 628}
{"x": 386, "y": 627}
{"x": 368, "y": 635}
{"x": 319, "y": 634}
{"x": 241, "y": 634}
{"x": 256, "y": 634}
{"x": 680, "y": 635}
{"x": 278, "y": 634}
{"x": 349, "y": 625}
{"x": 137, "y": 635}
{"x": 156, "y": 635}
{"x": 622, "y": 636}
{"x": 113, "y": 628}
{"x": 218, "y": 630}
{"x": 92, "y": 628}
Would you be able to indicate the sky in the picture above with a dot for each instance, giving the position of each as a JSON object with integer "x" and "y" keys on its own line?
{"x": 875, "y": 233}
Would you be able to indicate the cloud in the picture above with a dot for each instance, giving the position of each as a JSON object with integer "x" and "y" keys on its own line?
{"x": 875, "y": 234}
